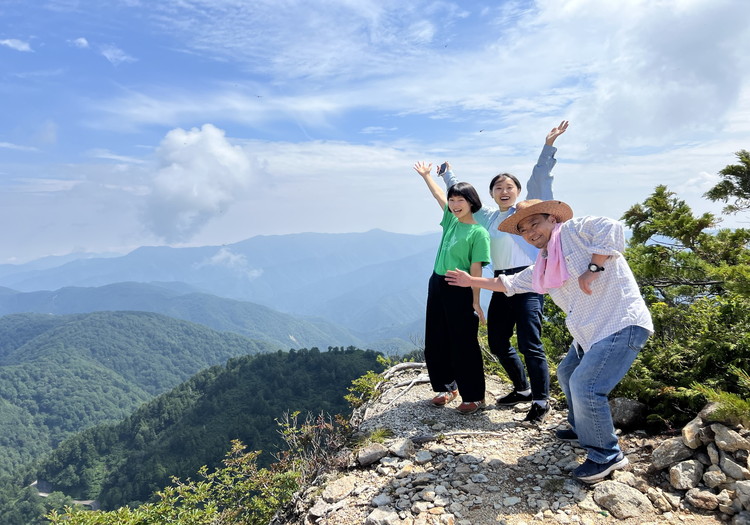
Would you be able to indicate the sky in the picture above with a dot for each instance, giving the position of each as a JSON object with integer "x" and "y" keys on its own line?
{"x": 129, "y": 123}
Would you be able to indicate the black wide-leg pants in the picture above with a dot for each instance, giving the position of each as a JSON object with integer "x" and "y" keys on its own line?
{"x": 451, "y": 347}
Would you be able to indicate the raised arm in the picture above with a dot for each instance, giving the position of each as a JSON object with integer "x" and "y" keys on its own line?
{"x": 540, "y": 183}
{"x": 437, "y": 192}
{"x": 448, "y": 176}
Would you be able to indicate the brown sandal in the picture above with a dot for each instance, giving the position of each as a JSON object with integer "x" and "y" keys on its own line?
{"x": 443, "y": 398}
{"x": 469, "y": 407}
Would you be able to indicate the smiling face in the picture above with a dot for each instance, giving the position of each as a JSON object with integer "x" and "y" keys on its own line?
{"x": 505, "y": 192}
{"x": 461, "y": 208}
{"x": 537, "y": 229}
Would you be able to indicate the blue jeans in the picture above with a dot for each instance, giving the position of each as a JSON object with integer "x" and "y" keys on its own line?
{"x": 523, "y": 312}
{"x": 587, "y": 379}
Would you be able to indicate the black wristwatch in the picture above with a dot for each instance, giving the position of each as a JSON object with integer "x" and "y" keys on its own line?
{"x": 595, "y": 268}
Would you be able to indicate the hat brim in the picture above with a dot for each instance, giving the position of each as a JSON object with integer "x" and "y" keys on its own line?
{"x": 561, "y": 211}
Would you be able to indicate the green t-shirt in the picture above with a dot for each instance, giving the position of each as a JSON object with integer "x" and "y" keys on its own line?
{"x": 461, "y": 245}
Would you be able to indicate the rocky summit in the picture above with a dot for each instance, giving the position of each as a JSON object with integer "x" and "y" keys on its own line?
{"x": 437, "y": 466}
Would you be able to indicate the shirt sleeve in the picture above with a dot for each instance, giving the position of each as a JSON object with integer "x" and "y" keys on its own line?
{"x": 518, "y": 283}
{"x": 540, "y": 182}
{"x": 601, "y": 235}
{"x": 480, "y": 251}
{"x": 484, "y": 215}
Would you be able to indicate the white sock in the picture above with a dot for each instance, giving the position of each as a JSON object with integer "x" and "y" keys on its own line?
{"x": 524, "y": 392}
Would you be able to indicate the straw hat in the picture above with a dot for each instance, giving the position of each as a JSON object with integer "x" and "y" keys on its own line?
{"x": 561, "y": 211}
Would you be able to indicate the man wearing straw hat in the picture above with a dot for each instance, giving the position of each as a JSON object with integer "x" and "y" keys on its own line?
{"x": 581, "y": 266}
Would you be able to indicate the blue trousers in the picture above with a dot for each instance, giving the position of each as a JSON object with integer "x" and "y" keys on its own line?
{"x": 588, "y": 378}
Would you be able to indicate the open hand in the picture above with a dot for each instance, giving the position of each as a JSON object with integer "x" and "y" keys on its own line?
{"x": 556, "y": 132}
{"x": 423, "y": 169}
{"x": 458, "y": 278}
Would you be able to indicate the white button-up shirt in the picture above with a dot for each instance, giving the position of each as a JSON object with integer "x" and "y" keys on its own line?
{"x": 616, "y": 301}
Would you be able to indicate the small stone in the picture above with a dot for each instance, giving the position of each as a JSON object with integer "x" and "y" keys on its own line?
{"x": 371, "y": 453}
{"x": 670, "y": 452}
{"x": 402, "y": 448}
{"x": 686, "y": 474}
{"x": 621, "y": 500}
{"x": 729, "y": 440}
{"x": 702, "y": 499}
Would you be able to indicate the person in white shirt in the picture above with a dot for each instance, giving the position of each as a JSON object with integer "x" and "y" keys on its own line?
{"x": 582, "y": 267}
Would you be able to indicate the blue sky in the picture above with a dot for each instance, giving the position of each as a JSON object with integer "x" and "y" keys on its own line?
{"x": 194, "y": 122}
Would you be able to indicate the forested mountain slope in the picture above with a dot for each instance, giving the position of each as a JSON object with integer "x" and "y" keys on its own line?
{"x": 193, "y": 424}
{"x": 62, "y": 374}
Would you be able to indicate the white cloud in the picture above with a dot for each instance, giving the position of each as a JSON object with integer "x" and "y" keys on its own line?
{"x": 201, "y": 176}
{"x": 18, "y": 45}
{"x": 224, "y": 257}
{"x": 115, "y": 55}
{"x": 80, "y": 42}
{"x": 106, "y": 154}
{"x": 9, "y": 145}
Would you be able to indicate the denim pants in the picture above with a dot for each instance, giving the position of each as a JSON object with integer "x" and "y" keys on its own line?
{"x": 587, "y": 378}
{"x": 524, "y": 313}
{"x": 451, "y": 347}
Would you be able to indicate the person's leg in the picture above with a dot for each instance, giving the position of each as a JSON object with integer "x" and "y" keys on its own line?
{"x": 436, "y": 342}
{"x": 528, "y": 312}
{"x": 564, "y": 370}
{"x": 465, "y": 355}
{"x": 501, "y": 320}
{"x": 599, "y": 371}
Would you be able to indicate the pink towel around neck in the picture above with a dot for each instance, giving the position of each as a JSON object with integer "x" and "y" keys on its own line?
{"x": 550, "y": 271}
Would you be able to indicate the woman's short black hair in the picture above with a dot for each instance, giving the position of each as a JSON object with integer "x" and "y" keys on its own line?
{"x": 501, "y": 176}
{"x": 467, "y": 191}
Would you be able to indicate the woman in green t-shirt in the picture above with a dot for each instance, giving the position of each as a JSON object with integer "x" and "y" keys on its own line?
{"x": 451, "y": 348}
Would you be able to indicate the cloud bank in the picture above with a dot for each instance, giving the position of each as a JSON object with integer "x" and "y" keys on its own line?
{"x": 201, "y": 175}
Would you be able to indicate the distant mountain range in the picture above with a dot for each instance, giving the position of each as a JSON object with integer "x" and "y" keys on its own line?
{"x": 258, "y": 322}
{"x": 373, "y": 284}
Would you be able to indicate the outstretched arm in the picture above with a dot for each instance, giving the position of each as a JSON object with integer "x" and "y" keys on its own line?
{"x": 540, "y": 183}
{"x": 437, "y": 192}
{"x": 461, "y": 278}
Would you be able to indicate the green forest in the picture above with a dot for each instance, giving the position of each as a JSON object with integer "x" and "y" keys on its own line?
{"x": 188, "y": 427}
{"x": 62, "y": 374}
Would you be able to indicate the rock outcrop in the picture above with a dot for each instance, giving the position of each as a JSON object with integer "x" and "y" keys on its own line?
{"x": 441, "y": 467}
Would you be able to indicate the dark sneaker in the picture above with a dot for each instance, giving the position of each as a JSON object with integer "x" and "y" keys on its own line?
{"x": 513, "y": 399}
{"x": 469, "y": 407}
{"x": 443, "y": 398}
{"x": 591, "y": 472}
{"x": 566, "y": 435}
{"x": 538, "y": 413}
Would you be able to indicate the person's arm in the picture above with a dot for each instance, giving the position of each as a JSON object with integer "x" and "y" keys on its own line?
{"x": 540, "y": 182}
{"x": 461, "y": 278}
{"x": 588, "y": 277}
{"x": 483, "y": 214}
{"x": 437, "y": 192}
{"x": 476, "y": 271}
{"x": 448, "y": 176}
